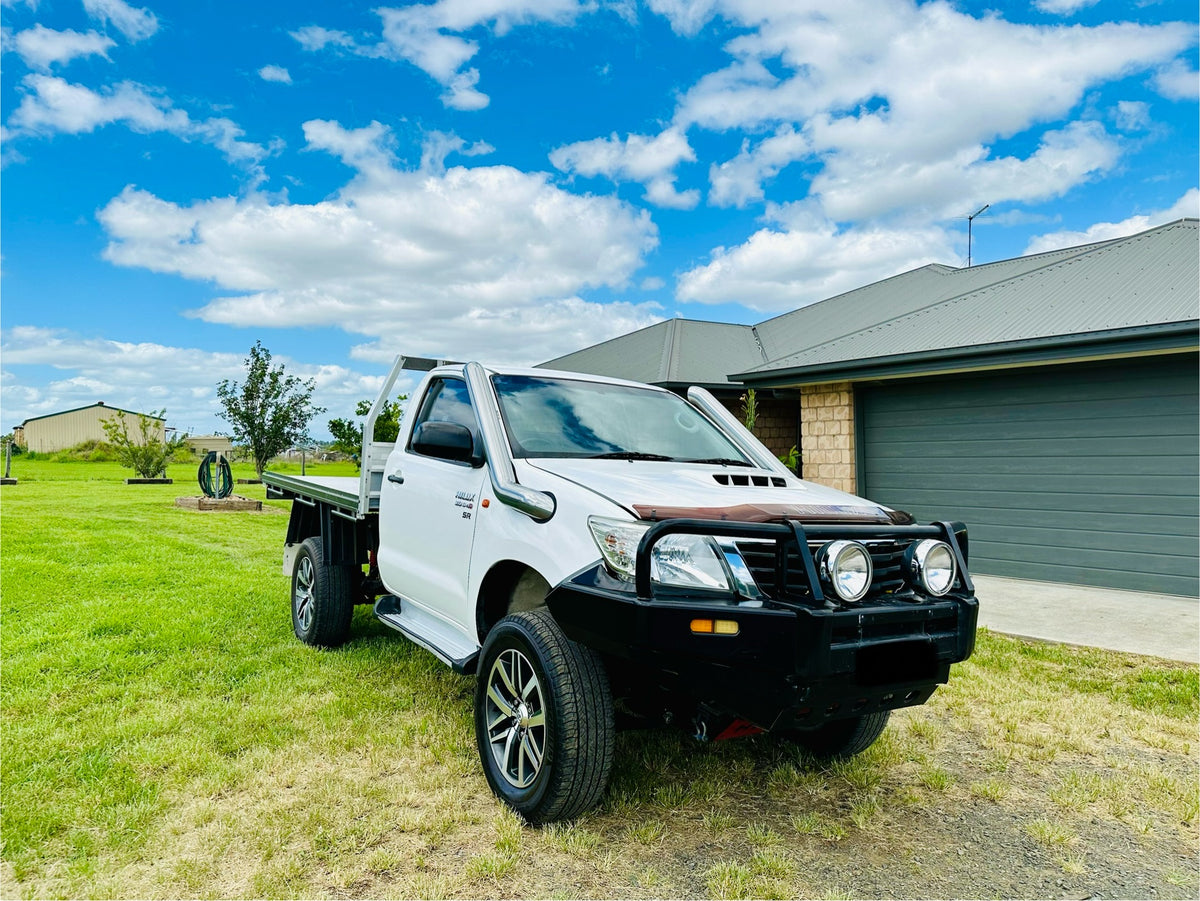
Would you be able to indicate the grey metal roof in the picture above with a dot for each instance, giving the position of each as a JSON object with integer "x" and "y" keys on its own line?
{"x": 675, "y": 351}
{"x": 1143, "y": 281}
{"x": 913, "y": 290}
{"x": 1117, "y": 289}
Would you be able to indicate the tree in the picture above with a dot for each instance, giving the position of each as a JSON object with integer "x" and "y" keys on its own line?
{"x": 750, "y": 417}
{"x": 147, "y": 454}
{"x": 270, "y": 411}
{"x": 348, "y": 434}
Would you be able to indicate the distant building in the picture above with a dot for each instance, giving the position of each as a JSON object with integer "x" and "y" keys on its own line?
{"x": 58, "y": 431}
{"x": 202, "y": 444}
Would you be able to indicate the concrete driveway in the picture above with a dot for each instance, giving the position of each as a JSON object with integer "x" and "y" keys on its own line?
{"x": 1157, "y": 625}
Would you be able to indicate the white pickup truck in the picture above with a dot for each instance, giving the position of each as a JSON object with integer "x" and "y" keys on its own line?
{"x": 586, "y": 545}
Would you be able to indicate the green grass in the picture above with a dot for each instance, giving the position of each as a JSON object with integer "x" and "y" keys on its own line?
{"x": 1170, "y": 691}
{"x": 143, "y": 657}
{"x": 163, "y": 734}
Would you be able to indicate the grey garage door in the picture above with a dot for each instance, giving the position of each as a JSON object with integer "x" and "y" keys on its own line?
{"x": 1072, "y": 473}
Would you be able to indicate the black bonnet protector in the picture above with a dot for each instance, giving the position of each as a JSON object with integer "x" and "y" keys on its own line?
{"x": 806, "y": 513}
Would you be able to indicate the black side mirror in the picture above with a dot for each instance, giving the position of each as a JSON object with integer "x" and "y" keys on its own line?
{"x": 446, "y": 440}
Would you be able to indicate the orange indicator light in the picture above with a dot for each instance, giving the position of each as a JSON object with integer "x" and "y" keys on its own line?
{"x": 714, "y": 627}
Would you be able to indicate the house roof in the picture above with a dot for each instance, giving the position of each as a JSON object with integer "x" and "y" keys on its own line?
{"x": 672, "y": 352}
{"x": 1138, "y": 292}
{"x": 88, "y": 407}
{"x": 1137, "y": 289}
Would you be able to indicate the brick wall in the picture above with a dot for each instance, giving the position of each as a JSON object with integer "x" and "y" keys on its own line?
{"x": 776, "y": 426}
{"x": 827, "y": 433}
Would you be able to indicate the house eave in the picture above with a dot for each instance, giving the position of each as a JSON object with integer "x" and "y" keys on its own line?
{"x": 1161, "y": 338}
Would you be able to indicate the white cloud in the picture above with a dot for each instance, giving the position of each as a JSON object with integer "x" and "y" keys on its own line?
{"x": 519, "y": 336}
{"x": 51, "y": 105}
{"x": 1132, "y": 115}
{"x": 739, "y": 181}
{"x": 1178, "y": 81}
{"x": 1186, "y": 206}
{"x": 438, "y": 145}
{"x": 641, "y": 158}
{"x": 485, "y": 260}
{"x": 687, "y": 17}
{"x": 314, "y": 37}
{"x": 461, "y": 93}
{"x": 808, "y": 260}
{"x": 851, "y": 189}
{"x": 875, "y": 90}
{"x": 135, "y": 23}
{"x": 42, "y": 47}
{"x": 275, "y": 73}
{"x": 429, "y": 35}
{"x": 368, "y": 149}
{"x": 148, "y": 376}
{"x": 1063, "y": 7}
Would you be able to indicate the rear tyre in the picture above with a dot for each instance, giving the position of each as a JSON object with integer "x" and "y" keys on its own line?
{"x": 322, "y": 597}
{"x": 841, "y": 738}
{"x": 543, "y": 719}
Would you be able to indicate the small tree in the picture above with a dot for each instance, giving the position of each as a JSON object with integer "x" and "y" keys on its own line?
{"x": 750, "y": 417}
{"x": 146, "y": 454}
{"x": 348, "y": 434}
{"x": 270, "y": 411}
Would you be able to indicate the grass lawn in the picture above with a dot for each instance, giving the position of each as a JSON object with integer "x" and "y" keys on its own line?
{"x": 165, "y": 735}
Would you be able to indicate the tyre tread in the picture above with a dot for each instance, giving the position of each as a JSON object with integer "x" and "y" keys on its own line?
{"x": 842, "y": 738}
{"x": 333, "y": 601}
{"x": 583, "y": 715}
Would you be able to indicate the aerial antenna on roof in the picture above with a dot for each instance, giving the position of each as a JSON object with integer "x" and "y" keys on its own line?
{"x": 970, "y": 222}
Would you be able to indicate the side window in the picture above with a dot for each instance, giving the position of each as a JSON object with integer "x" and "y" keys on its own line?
{"x": 446, "y": 400}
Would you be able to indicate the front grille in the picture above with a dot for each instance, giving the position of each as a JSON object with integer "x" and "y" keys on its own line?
{"x": 760, "y": 558}
{"x": 887, "y": 561}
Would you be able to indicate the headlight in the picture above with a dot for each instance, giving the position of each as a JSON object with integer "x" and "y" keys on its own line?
{"x": 618, "y": 542}
{"x": 683, "y": 561}
{"x": 845, "y": 566}
{"x": 932, "y": 566}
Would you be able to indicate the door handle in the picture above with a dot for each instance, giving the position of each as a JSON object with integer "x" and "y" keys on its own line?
{"x": 396, "y": 477}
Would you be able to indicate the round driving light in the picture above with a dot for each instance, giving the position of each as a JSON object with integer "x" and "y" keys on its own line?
{"x": 846, "y": 568}
{"x": 933, "y": 566}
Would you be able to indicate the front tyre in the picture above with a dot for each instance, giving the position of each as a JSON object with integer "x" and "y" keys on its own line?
{"x": 841, "y": 738}
{"x": 543, "y": 719}
{"x": 322, "y": 598}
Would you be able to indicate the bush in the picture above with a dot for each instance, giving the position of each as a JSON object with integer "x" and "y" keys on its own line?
{"x": 85, "y": 452}
{"x": 147, "y": 457}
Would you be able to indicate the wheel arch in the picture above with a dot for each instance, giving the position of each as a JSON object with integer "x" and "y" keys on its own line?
{"x": 496, "y": 591}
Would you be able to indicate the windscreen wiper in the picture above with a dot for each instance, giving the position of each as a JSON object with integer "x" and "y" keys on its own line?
{"x": 631, "y": 455}
{"x": 723, "y": 461}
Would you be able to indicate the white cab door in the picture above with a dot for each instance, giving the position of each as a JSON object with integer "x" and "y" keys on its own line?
{"x": 427, "y": 514}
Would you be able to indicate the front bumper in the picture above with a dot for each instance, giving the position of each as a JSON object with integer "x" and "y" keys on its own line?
{"x": 797, "y": 659}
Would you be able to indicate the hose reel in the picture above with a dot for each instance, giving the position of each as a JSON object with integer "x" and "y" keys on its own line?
{"x": 215, "y": 476}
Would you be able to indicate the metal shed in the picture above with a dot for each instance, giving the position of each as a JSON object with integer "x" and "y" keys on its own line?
{"x": 58, "y": 431}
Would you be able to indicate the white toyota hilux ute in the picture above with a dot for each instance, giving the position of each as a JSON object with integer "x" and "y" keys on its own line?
{"x": 585, "y": 544}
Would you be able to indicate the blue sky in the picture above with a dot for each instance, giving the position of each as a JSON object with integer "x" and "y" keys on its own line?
{"x": 510, "y": 180}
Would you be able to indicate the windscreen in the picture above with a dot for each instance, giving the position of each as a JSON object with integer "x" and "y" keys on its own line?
{"x": 551, "y": 417}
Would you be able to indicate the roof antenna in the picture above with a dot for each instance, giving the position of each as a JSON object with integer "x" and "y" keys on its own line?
{"x": 970, "y": 222}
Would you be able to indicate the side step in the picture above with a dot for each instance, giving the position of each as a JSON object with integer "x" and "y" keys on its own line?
{"x": 428, "y": 631}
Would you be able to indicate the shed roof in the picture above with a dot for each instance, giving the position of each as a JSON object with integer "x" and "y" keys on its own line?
{"x": 88, "y": 407}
